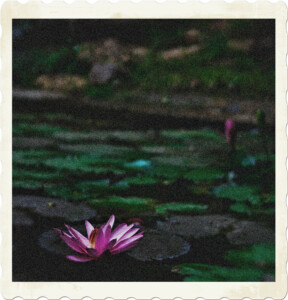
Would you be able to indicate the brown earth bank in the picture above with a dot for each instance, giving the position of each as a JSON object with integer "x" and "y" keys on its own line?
{"x": 189, "y": 110}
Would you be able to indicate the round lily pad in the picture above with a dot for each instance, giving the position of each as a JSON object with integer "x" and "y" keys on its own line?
{"x": 20, "y": 218}
{"x": 197, "y": 226}
{"x": 157, "y": 245}
{"x": 51, "y": 242}
{"x": 50, "y": 207}
{"x": 249, "y": 233}
{"x": 97, "y": 149}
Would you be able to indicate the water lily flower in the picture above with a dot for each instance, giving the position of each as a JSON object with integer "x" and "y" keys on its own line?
{"x": 231, "y": 133}
{"x": 99, "y": 240}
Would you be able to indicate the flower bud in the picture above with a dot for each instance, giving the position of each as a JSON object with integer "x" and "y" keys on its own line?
{"x": 231, "y": 133}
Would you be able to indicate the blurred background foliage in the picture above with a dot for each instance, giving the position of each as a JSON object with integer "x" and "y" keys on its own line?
{"x": 219, "y": 57}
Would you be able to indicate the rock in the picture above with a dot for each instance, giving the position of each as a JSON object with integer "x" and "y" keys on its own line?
{"x": 249, "y": 233}
{"x": 20, "y": 218}
{"x": 139, "y": 52}
{"x": 178, "y": 53}
{"x": 157, "y": 245}
{"x": 103, "y": 72}
{"x": 241, "y": 45}
{"x": 50, "y": 207}
{"x": 193, "y": 36}
{"x": 197, "y": 226}
{"x": 65, "y": 83}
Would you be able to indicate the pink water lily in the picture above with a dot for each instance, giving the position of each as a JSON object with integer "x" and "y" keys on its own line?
{"x": 100, "y": 240}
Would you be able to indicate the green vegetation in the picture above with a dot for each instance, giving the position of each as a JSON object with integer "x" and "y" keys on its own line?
{"x": 250, "y": 264}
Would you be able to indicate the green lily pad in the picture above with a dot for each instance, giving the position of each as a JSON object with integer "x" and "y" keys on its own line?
{"x": 261, "y": 255}
{"x": 191, "y": 134}
{"x": 28, "y": 129}
{"x": 30, "y": 157}
{"x": 180, "y": 207}
{"x": 138, "y": 164}
{"x": 205, "y": 174}
{"x": 75, "y": 163}
{"x": 238, "y": 193}
{"x": 141, "y": 180}
{"x": 100, "y": 150}
{"x": 202, "y": 272}
{"x": 27, "y": 184}
{"x": 121, "y": 204}
{"x": 23, "y": 174}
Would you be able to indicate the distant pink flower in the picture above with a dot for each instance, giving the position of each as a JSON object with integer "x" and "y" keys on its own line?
{"x": 231, "y": 132}
{"x": 99, "y": 240}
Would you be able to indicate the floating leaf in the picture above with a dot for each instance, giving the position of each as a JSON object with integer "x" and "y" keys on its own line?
{"x": 100, "y": 149}
{"x": 23, "y": 174}
{"x": 242, "y": 208}
{"x": 202, "y": 272}
{"x": 249, "y": 233}
{"x": 191, "y": 134}
{"x": 204, "y": 174}
{"x": 32, "y": 143}
{"x": 30, "y": 157}
{"x": 238, "y": 193}
{"x": 20, "y": 218}
{"x": 180, "y": 207}
{"x": 157, "y": 245}
{"x": 27, "y": 184}
{"x": 261, "y": 255}
{"x": 34, "y": 130}
{"x": 138, "y": 164}
{"x": 62, "y": 209}
{"x": 197, "y": 226}
{"x": 116, "y": 203}
{"x": 248, "y": 161}
{"x": 141, "y": 180}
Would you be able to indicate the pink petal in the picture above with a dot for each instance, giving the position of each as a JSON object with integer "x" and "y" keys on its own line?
{"x": 79, "y": 258}
{"x": 101, "y": 242}
{"x": 127, "y": 242}
{"x": 82, "y": 239}
{"x": 120, "y": 230}
{"x": 89, "y": 228}
{"x": 73, "y": 243}
{"x": 127, "y": 235}
{"x": 125, "y": 248}
{"x": 111, "y": 221}
{"x": 59, "y": 231}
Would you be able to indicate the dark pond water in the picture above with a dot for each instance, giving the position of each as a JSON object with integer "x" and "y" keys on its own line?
{"x": 182, "y": 182}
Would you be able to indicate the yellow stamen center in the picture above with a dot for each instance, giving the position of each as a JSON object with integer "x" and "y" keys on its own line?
{"x": 92, "y": 238}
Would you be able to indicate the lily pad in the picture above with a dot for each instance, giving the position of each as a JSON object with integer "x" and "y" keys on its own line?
{"x": 27, "y": 184}
{"x": 261, "y": 255}
{"x": 19, "y": 174}
{"x": 28, "y": 129}
{"x": 30, "y": 157}
{"x": 249, "y": 233}
{"x": 204, "y": 174}
{"x": 202, "y": 272}
{"x": 100, "y": 150}
{"x": 138, "y": 164}
{"x": 51, "y": 242}
{"x": 50, "y": 207}
{"x": 75, "y": 163}
{"x": 157, "y": 245}
{"x": 238, "y": 193}
{"x": 20, "y": 218}
{"x": 180, "y": 207}
{"x": 197, "y": 226}
{"x": 141, "y": 180}
{"x": 192, "y": 134}
{"x": 124, "y": 205}
{"x": 32, "y": 142}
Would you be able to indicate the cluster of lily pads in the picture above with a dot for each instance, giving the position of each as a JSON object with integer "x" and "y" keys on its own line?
{"x": 170, "y": 175}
